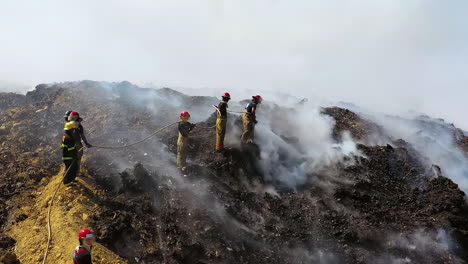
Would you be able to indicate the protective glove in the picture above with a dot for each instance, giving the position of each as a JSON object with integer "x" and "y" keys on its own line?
{"x": 255, "y": 121}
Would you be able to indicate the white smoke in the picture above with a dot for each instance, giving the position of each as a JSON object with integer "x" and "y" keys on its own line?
{"x": 13, "y": 87}
{"x": 417, "y": 247}
{"x": 316, "y": 256}
{"x": 388, "y": 55}
{"x": 297, "y": 142}
{"x": 433, "y": 139}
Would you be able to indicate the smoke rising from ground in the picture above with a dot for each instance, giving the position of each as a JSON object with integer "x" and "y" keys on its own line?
{"x": 297, "y": 142}
{"x": 433, "y": 139}
{"x": 386, "y": 55}
{"x": 420, "y": 243}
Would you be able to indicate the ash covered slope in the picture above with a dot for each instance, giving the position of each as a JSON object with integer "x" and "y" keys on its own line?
{"x": 308, "y": 194}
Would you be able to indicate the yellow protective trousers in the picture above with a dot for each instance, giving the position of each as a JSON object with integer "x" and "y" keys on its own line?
{"x": 249, "y": 127}
{"x": 221, "y": 123}
{"x": 182, "y": 144}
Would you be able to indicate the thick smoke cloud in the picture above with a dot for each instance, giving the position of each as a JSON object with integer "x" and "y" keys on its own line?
{"x": 297, "y": 142}
{"x": 387, "y": 55}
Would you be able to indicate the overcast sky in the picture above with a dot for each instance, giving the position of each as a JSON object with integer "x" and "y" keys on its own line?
{"x": 390, "y": 55}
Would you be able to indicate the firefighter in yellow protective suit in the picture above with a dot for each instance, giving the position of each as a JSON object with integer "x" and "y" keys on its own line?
{"x": 182, "y": 143}
{"x": 249, "y": 119}
{"x": 221, "y": 121}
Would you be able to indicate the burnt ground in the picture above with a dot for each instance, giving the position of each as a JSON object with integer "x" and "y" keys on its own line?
{"x": 346, "y": 120}
{"x": 386, "y": 206}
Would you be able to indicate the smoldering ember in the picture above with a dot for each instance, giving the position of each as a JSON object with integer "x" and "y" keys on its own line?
{"x": 332, "y": 184}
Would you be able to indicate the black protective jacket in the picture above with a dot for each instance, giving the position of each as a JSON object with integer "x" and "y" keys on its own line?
{"x": 185, "y": 128}
{"x": 69, "y": 146}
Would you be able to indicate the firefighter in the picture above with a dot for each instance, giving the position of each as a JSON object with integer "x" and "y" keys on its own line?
{"x": 249, "y": 119}
{"x": 82, "y": 253}
{"x": 80, "y": 136}
{"x": 182, "y": 143}
{"x": 221, "y": 121}
{"x": 70, "y": 152}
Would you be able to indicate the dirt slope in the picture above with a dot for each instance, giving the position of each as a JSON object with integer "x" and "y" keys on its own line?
{"x": 71, "y": 211}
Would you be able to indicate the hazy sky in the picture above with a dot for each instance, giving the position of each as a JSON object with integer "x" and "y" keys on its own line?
{"x": 385, "y": 54}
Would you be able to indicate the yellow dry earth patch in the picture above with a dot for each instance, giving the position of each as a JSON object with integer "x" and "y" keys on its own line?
{"x": 71, "y": 210}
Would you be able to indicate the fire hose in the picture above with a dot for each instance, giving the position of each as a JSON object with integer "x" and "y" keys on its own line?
{"x": 238, "y": 112}
{"x": 103, "y": 147}
{"x": 219, "y": 113}
{"x": 134, "y": 143}
{"x": 49, "y": 238}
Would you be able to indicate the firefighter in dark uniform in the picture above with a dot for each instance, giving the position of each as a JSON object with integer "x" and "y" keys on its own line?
{"x": 182, "y": 143}
{"x": 249, "y": 119}
{"x": 221, "y": 121}
{"x": 70, "y": 152}
{"x": 73, "y": 116}
{"x": 82, "y": 253}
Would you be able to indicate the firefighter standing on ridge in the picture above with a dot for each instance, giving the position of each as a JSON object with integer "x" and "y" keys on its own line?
{"x": 73, "y": 116}
{"x": 82, "y": 253}
{"x": 70, "y": 152}
{"x": 182, "y": 143}
{"x": 221, "y": 121}
{"x": 249, "y": 119}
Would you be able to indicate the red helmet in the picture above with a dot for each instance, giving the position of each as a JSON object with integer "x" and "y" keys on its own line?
{"x": 258, "y": 98}
{"x": 74, "y": 116}
{"x": 226, "y": 95}
{"x": 85, "y": 233}
{"x": 184, "y": 114}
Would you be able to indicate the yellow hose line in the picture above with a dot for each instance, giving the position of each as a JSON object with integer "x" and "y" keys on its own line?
{"x": 235, "y": 112}
{"x": 132, "y": 144}
{"x": 49, "y": 238}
